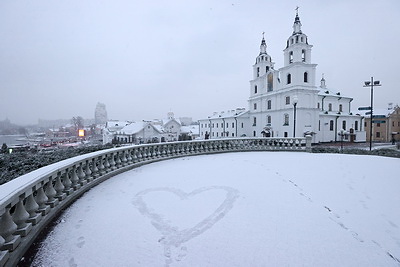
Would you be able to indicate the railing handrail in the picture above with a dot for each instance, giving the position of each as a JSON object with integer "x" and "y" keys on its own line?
{"x": 29, "y": 202}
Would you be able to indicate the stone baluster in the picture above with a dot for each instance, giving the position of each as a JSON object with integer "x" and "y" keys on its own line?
{"x": 67, "y": 183}
{"x": 159, "y": 149}
{"x": 102, "y": 170}
{"x": 20, "y": 218}
{"x": 88, "y": 171}
{"x": 4, "y": 255}
{"x": 129, "y": 156}
{"x": 33, "y": 209}
{"x": 118, "y": 162}
{"x": 107, "y": 164}
{"x": 139, "y": 154}
{"x": 41, "y": 200}
{"x": 51, "y": 193}
{"x": 59, "y": 187}
{"x": 81, "y": 175}
{"x": 95, "y": 169}
{"x": 74, "y": 179}
{"x": 134, "y": 155}
{"x": 113, "y": 162}
{"x": 7, "y": 231}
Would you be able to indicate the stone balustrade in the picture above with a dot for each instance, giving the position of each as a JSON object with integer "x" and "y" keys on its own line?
{"x": 30, "y": 202}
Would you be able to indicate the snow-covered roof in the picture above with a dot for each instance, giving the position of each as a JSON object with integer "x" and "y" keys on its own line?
{"x": 331, "y": 92}
{"x": 378, "y": 111}
{"x": 228, "y": 114}
{"x": 194, "y": 129}
{"x": 165, "y": 121}
{"x": 136, "y": 127}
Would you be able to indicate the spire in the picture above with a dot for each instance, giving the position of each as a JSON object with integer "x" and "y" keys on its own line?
{"x": 263, "y": 46}
{"x": 297, "y": 23}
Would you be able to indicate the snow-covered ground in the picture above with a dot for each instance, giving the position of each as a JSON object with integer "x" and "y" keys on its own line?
{"x": 237, "y": 209}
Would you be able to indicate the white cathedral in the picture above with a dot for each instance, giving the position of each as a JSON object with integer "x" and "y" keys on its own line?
{"x": 287, "y": 102}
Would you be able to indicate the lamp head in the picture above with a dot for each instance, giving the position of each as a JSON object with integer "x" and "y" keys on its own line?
{"x": 377, "y": 82}
{"x": 367, "y": 83}
{"x": 295, "y": 100}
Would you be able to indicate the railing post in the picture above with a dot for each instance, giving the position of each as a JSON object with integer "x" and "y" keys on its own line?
{"x": 308, "y": 143}
{"x": 7, "y": 231}
{"x": 20, "y": 218}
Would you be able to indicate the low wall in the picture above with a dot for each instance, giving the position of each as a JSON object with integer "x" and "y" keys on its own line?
{"x": 30, "y": 202}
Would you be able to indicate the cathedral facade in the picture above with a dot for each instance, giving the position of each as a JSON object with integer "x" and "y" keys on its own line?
{"x": 287, "y": 102}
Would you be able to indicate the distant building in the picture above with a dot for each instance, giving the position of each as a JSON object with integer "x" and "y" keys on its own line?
{"x": 286, "y": 102}
{"x": 100, "y": 114}
{"x": 165, "y": 130}
{"x": 385, "y": 124}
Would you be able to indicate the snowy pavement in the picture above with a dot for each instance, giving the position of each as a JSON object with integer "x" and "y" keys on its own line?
{"x": 237, "y": 209}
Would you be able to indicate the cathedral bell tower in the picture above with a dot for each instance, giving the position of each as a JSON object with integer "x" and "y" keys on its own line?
{"x": 263, "y": 61}
{"x": 297, "y": 47}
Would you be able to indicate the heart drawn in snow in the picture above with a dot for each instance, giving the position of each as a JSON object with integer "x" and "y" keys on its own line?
{"x": 172, "y": 237}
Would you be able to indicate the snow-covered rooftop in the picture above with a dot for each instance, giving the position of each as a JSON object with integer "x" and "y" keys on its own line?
{"x": 226, "y": 114}
{"x": 236, "y": 209}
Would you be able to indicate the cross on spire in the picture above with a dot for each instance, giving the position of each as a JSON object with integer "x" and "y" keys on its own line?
{"x": 297, "y": 10}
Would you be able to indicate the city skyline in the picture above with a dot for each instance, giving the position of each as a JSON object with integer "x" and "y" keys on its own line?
{"x": 142, "y": 60}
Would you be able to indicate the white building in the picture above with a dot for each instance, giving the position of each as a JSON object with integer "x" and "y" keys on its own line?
{"x": 287, "y": 102}
{"x": 100, "y": 114}
{"x": 166, "y": 130}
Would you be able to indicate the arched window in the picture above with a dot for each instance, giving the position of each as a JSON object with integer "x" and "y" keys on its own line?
{"x": 290, "y": 57}
{"x": 303, "y": 55}
{"x": 286, "y": 119}
{"x": 266, "y": 69}
{"x": 258, "y": 72}
{"x": 340, "y": 108}
{"x": 331, "y": 125}
{"x": 306, "y": 77}
{"x": 269, "y": 104}
{"x": 255, "y": 89}
{"x": 289, "y": 78}
{"x": 269, "y": 119}
{"x": 330, "y": 107}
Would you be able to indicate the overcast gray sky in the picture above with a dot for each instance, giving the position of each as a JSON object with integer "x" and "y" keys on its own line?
{"x": 145, "y": 58}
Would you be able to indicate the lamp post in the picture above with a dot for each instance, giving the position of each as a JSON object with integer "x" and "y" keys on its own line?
{"x": 295, "y": 100}
{"x": 371, "y": 84}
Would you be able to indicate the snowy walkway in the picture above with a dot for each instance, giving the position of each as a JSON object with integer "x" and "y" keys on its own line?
{"x": 237, "y": 209}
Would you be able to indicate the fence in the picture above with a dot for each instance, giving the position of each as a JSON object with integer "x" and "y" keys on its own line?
{"x": 30, "y": 202}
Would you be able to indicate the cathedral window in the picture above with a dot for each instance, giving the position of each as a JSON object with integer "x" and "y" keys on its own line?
{"x": 258, "y": 72}
{"x": 255, "y": 106}
{"x": 269, "y": 104}
{"x": 254, "y": 121}
{"x": 302, "y": 39}
{"x": 331, "y": 125}
{"x": 356, "y": 125}
{"x": 330, "y": 107}
{"x": 340, "y": 108}
{"x": 287, "y": 100}
{"x": 233, "y": 125}
{"x": 286, "y": 119}
{"x": 270, "y": 78}
{"x": 291, "y": 41}
{"x": 285, "y": 134}
{"x": 262, "y": 57}
{"x": 303, "y": 55}
{"x": 269, "y": 119}
{"x": 318, "y": 105}
{"x": 266, "y": 69}
{"x": 290, "y": 57}
{"x": 289, "y": 79}
{"x": 255, "y": 89}
{"x": 344, "y": 125}
{"x": 306, "y": 77}
{"x": 297, "y": 39}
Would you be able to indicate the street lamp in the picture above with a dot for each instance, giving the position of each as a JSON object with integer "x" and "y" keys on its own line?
{"x": 342, "y": 134}
{"x": 295, "y": 100}
{"x": 371, "y": 84}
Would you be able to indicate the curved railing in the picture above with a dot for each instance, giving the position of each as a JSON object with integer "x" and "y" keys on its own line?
{"x": 30, "y": 202}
